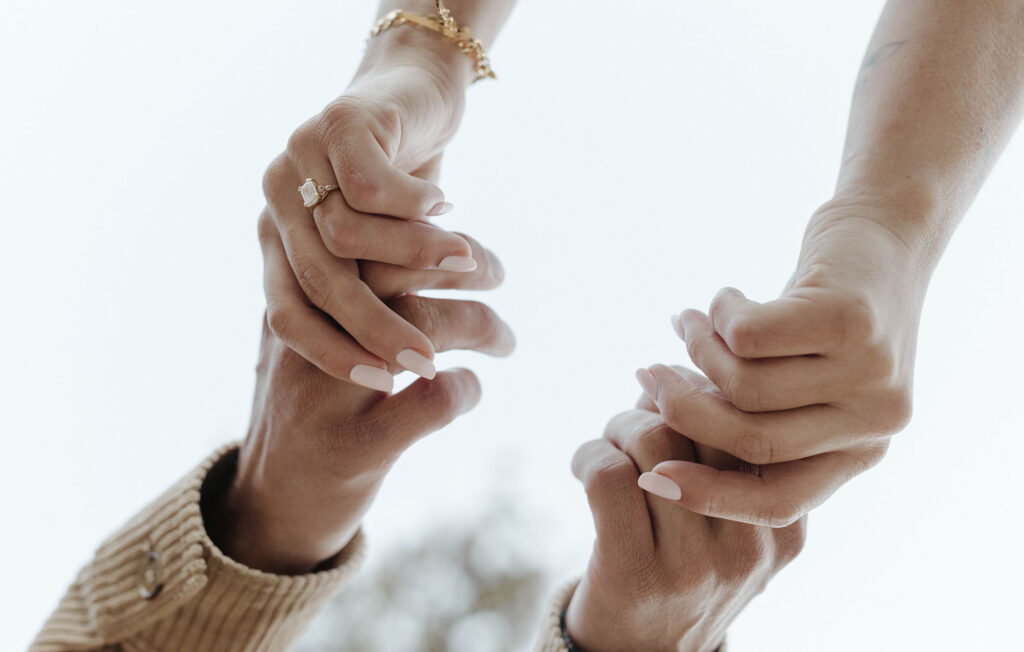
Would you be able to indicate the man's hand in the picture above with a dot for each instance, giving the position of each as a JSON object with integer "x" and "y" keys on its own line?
{"x": 660, "y": 577}
{"x": 319, "y": 448}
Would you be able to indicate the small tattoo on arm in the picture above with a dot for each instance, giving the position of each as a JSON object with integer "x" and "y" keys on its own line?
{"x": 873, "y": 58}
{"x": 882, "y": 53}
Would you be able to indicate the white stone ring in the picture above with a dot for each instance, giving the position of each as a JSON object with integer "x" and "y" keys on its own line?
{"x": 313, "y": 193}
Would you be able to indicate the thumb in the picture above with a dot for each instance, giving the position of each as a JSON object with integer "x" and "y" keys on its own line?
{"x": 371, "y": 184}
{"x": 423, "y": 407}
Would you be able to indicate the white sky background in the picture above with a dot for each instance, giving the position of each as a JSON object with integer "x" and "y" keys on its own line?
{"x": 632, "y": 159}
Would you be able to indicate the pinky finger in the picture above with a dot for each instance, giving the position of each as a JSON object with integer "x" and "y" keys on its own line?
{"x": 306, "y": 330}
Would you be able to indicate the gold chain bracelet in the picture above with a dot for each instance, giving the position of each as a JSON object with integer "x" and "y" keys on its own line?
{"x": 443, "y": 24}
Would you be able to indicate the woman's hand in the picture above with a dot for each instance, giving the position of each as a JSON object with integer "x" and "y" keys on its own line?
{"x": 318, "y": 448}
{"x": 381, "y": 143}
{"x": 810, "y": 386}
{"x": 660, "y": 577}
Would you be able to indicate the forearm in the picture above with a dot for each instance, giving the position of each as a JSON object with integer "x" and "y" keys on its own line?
{"x": 937, "y": 99}
{"x": 484, "y": 18}
{"x": 161, "y": 583}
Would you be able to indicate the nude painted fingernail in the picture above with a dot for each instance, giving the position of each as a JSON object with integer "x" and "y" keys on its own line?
{"x": 417, "y": 364}
{"x": 648, "y": 382}
{"x": 457, "y": 264}
{"x": 440, "y": 209}
{"x": 372, "y": 377}
{"x": 659, "y": 485}
{"x": 677, "y": 326}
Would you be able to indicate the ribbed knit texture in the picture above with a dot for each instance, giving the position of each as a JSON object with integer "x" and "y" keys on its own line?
{"x": 550, "y": 639}
{"x": 208, "y": 601}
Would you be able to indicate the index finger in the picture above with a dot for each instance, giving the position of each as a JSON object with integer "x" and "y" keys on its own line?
{"x": 370, "y": 183}
{"x": 621, "y": 519}
{"x": 776, "y": 497}
{"x": 807, "y": 323}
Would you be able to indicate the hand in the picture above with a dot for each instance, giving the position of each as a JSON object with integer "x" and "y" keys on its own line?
{"x": 381, "y": 143}
{"x": 319, "y": 448}
{"x": 660, "y": 577}
{"x": 810, "y": 386}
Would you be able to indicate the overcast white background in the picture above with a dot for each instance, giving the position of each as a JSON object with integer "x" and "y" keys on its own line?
{"x": 632, "y": 159}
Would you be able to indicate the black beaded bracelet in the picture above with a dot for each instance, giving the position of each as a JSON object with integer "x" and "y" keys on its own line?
{"x": 569, "y": 645}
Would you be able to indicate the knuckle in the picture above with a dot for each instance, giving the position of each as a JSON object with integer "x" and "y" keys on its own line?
{"x": 480, "y": 314}
{"x": 421, "y": 255}
{"x": 443, "y": 394}
{"x": 892, "y": 411}
{"x": 421, "y": 313}
{"x": 277, "y": 174}
{"x": 339, "y": 116}
{"x": 863, "y": 460}
{"x": 674, "y": 413}
{"x": 302, "y": 138}
{"x": 780, "y": 514}
{"x": 362, "y": 192}
{"x": 650, "y": 442}
{"x": 743, "y": 393}
{"x": 265, "y": 227}
{"x": 314, "y": 282}
{"x": 611, "y": 476}
{"x": 753, "y": 446}
{"x": 750, "y": 552}
{"x": 279, "y": 321}
{"x": 339, "y": 236}
{"x": 790, "y": 541}
{"x": 857, "y": 322}
{"x": 744, "y": 336}
{"x": 695, "y": 349}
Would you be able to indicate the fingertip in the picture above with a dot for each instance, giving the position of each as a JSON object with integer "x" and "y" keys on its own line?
{"x": 462, "y": 264}
{"x": 467, "y": 386}
{"x": 677, "y": 326}
{"x": 691, "y": 320}
{"x": 659, "y": 485}
{"x": 464, "y": 248}
{"x": 417, "y": 363}
{"x": 372, "y": 378}
{"x": 440, "y": 208}
{"x": 648, "y": 382}
{"x": 730, "y": 292}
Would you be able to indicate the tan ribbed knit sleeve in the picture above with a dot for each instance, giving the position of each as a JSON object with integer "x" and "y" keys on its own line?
{"x": 206, "y": 601}
{"x": 550, "y": 639}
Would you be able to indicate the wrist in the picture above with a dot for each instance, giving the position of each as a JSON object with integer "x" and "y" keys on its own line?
{"x": 912, "y": 211}
{"x": 268, "y": 527}
{"x": 412, "y": 46}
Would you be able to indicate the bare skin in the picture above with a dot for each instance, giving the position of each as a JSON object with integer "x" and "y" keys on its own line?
{"x": 662, "y": 578}
{"x": 381, "y": 142}
{"x": 812, "y": 386}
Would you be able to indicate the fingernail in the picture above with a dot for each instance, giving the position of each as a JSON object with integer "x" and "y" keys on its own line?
{"x": 457, "y": 264}
{"x": 440, "y": 209}
{"x": 417, "y": 364}
{"x": 677, "y": 326}
{"x": 372, "y": 377}
{"x": 659, "y": 485}
{"x": 648, "y": 382}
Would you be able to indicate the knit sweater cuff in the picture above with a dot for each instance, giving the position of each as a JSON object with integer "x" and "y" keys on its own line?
{"x": 550, "y": 639}
{"x": 160, "y": 583}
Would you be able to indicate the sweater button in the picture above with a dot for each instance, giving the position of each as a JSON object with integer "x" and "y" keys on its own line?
{"x": 150, "y": 576}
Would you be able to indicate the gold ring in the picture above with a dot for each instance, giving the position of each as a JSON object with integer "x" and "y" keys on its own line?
{"x": 313, "y": 193}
